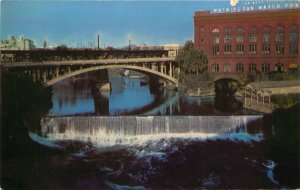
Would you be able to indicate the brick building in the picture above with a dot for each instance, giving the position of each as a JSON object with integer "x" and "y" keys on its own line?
{"x": 249, "y": 41}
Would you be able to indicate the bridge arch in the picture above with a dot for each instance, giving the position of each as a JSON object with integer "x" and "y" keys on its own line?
{"x": 227, "y": 76}
{"x": 129, "y": 67}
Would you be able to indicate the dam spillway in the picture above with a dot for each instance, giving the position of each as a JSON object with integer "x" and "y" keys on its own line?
{"x": 125, "y": 129}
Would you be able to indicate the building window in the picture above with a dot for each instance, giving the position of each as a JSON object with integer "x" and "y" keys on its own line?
{"x": 239, "y": 48}
{"x": 239, "y": 67}
{"x": 280, "y": 48}
{"x": 252, "y": 67}
{"x": 266, "y": 37}
{"x": 279, "y": 28}
{"x": 280, "y": 34}
{"x": 227, "y": 30}
{"x": 252, "y": 48}
{"x": 240, "y": 38}
{"x": 215, "y": 50}
{"x": 293, "y": 36}
{"x": 227, "y": 49}
{"x": 215, "y": 30}
{"x": 266, "y": 34}
{"x": 266, "y": 48}
{"x": 240, "y": 35}
{"x": 279, "y": 37}
{"x": 240, "y": 30}
{"x": 265, "y": 68}
{"x": 253, "y": 29}
{"x": 227, "y": 35}
{"x": 215, "y": 68}
{"x": 227, "y": 67}
{"x": 227, "y": 38}
{"x": 278, "y": 67}
{"x": 252, "y": 38}
{"x": 215, "y": 36}
{"x": 293, "y": 48}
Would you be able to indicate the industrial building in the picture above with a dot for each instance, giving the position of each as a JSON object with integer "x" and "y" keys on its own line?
{"x": 17, "y": 44}
{"x": 264, "y": 40}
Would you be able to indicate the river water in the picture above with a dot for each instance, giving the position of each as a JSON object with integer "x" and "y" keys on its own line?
{"x": 137, "y": 137}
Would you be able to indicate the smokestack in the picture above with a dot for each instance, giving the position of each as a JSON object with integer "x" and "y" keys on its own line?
{"x": 98, "y": 40}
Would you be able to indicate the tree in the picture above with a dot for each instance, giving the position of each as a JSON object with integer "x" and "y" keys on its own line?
{"x": 191, "y": 60}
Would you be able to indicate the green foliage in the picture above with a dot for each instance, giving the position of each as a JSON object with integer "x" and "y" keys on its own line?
{"x": 283, "y": 146}
{"x": 191, "y": 60}
{"x": 193, "y": 81}
{"x": 285, "y": 100}
{"x": 284, "y": 76}
{"x": 23, "y": 100}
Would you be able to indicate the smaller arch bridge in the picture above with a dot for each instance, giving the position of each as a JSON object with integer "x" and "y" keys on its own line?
{"x": 51, "y": 72}
{"x": 220, "y": 76}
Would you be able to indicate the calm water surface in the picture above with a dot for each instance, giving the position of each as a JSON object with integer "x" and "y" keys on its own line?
{"x": 129, "y": 96}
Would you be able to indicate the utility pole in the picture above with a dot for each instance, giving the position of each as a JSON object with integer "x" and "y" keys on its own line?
{"x": 129, "y": 40}
{"x": 98, "y": 41}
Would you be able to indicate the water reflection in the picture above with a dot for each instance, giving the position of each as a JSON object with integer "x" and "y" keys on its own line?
{"x": 101, "y": 102}
{"x": 134, "y": 96}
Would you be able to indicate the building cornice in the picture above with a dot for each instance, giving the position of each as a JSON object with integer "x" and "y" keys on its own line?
{"x": 266, "y": 14}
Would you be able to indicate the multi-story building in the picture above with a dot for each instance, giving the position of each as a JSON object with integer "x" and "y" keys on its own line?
{"x": 17, "y": 44}
{"x": 249, "y": 41}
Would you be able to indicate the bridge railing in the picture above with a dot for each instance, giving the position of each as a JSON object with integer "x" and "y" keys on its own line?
{"x": 40, "y": 55}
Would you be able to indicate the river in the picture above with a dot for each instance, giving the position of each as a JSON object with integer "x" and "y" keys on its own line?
{"x": 137, "y": 137}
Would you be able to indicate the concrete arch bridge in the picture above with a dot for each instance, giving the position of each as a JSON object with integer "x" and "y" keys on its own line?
{"x": 55, "y": 71}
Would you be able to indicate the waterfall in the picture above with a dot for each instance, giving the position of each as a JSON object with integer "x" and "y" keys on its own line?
{"x": 127, "y": 129}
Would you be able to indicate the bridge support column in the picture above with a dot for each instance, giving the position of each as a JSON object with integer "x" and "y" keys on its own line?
{"x": 44, "y": 77}
{"x": 69, "y": 69}
{"x": 153, "y": 66}
{"x": 171, "y": 71}
{"x": 49, "y": 73}
{"x": 57, "y": 72}
{"x": 163, "y": 69}
{"x": 33, "y": 76}
{"x": 37, "y": 75}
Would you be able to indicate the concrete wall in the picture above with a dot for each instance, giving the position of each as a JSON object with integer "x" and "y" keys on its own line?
{"x": 284, "y": 90}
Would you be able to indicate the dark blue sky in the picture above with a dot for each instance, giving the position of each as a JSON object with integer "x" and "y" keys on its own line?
{"x": 77, "y": 23}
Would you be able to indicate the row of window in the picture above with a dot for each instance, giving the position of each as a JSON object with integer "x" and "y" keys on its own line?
{"x": 251, "y": 68}
{"x": 266, "y": 37}
{"x": 266, "y": 48}
{"x": 253, "y": 29}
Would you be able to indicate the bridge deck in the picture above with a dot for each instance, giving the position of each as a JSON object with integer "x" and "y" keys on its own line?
{"x": 88, "y": 62}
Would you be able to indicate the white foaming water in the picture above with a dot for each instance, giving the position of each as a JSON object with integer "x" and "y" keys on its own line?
{"x": 43, "y": 141}
{"x": 106, "y": 131}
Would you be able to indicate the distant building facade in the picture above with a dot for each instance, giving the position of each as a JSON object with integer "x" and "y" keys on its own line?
{"x": 249, "y": 41}
{"x": 172, "y": 49}
{"x": 17, "y": 44}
